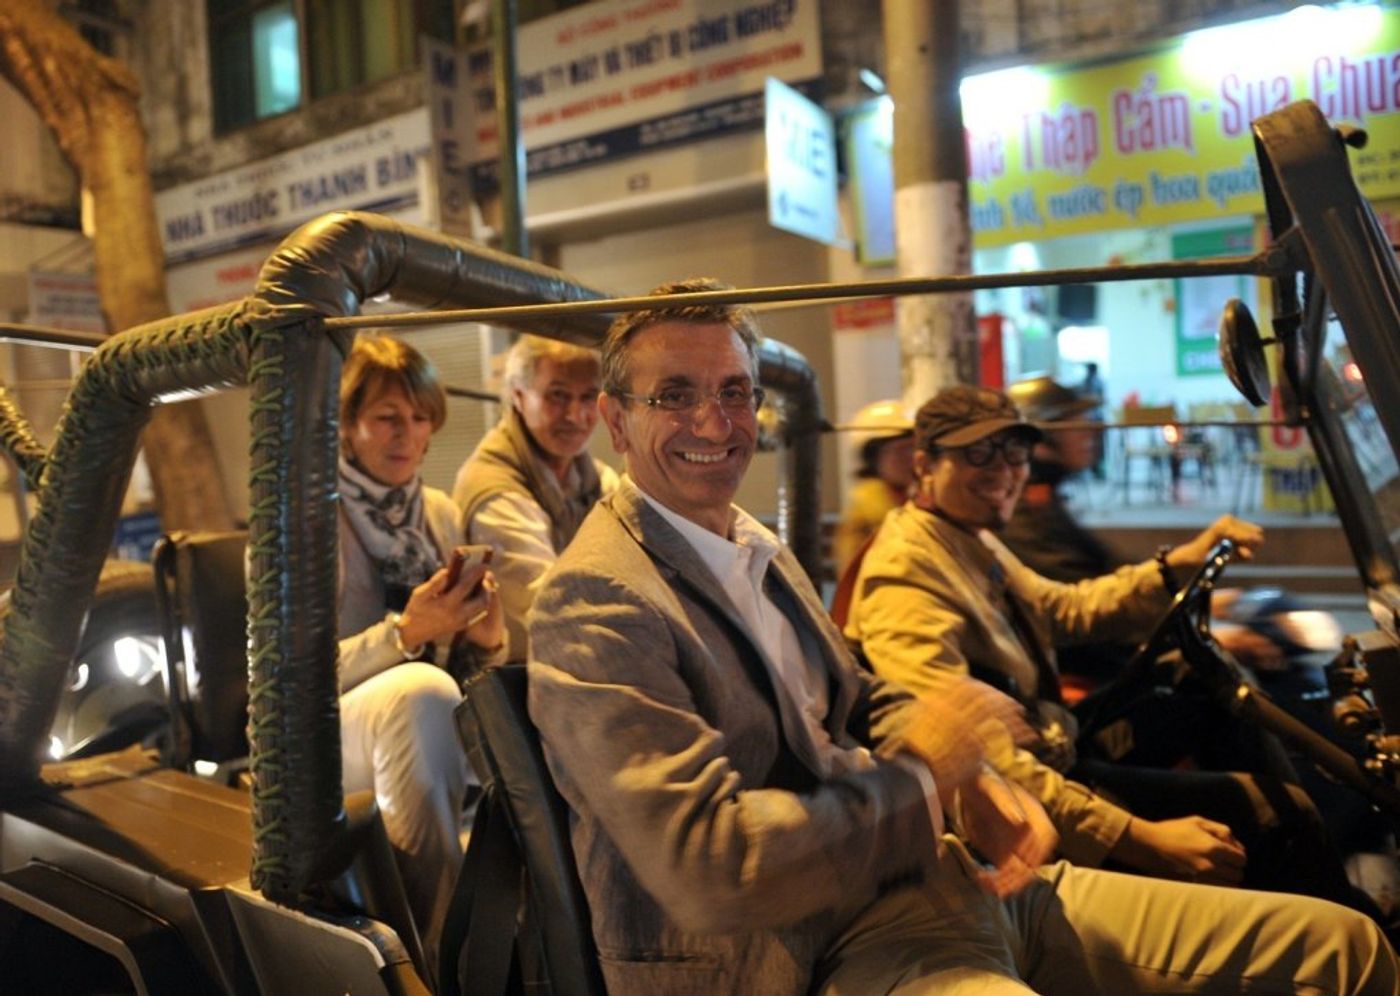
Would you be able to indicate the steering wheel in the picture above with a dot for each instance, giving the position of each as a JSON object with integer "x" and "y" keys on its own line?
{"x": 1186, "y": 622}
{"x": 1185, "y": 625}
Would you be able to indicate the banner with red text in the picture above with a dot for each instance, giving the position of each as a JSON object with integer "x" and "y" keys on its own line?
{"x": 1164, "y": 137}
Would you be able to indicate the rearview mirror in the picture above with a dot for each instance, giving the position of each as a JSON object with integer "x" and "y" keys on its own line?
{"x": 1242, "y": 353}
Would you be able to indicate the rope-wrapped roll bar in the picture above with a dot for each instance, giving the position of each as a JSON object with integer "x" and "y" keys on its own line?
{"x": 293, "y": 702}
{"x": 83, "y": 481}
{"x": 324, "y": 270}
{"x": 329, "y": 266}
{"x": 786, "y": 370}
{"x": 19, "y": 441}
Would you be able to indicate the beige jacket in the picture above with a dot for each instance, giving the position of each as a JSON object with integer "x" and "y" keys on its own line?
{"x": 713, "y": 859}
{"x": 926, "y": 605}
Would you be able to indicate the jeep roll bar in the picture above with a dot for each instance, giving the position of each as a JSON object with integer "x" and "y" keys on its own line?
{"x": 274, "y": 341}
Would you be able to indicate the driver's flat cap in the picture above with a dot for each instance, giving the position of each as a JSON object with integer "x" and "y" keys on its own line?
{"x": 963, "y": 414}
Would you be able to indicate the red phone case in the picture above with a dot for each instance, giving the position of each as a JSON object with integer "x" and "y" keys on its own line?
{"x": 470, "y": 553}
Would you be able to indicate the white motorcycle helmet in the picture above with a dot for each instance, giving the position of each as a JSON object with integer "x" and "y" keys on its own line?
{"x": 875, "y": 424}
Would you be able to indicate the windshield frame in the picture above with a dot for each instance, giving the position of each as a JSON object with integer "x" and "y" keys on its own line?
{"x": 1317, "y": 213}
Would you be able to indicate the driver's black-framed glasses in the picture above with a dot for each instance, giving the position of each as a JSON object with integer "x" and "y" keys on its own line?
{"x": 734, "y": 399}
{"x": 1015, "y": 451}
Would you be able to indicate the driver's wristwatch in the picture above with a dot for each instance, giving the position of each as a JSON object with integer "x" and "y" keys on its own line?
{"x": 1169, "y": 580}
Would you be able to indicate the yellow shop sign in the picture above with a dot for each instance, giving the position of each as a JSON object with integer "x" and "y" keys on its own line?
{"x": 1164, "y": 137}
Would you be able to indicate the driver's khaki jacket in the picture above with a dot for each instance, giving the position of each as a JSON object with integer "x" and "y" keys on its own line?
{"x": 926, "y": 606}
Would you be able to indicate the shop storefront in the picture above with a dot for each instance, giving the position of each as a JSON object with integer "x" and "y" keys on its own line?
{"x": 1145, "y": 158}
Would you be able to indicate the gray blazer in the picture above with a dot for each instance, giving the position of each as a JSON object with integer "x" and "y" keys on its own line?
{"x": 713, "y": 859}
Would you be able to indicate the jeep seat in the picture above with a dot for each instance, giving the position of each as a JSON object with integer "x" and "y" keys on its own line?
{"x": 204, "y": 612}
{"x": 536, "y": 924}
{"x": 201, "y": 592}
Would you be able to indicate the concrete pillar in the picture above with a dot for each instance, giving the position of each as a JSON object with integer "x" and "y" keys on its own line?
{"x": 937, "y": 333}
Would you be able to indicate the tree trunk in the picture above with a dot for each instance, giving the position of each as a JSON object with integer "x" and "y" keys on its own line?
{"x": 91, "y": 103}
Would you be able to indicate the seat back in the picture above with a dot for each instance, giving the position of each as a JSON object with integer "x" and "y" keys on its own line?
{"x": 201, "y": 594}
{"x": 556, "y": 939}
{"x": 203, "y": 602}
{"x": 846, "y": 586}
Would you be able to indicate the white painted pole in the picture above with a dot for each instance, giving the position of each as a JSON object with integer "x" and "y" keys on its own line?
{"x": 937, "y": 333}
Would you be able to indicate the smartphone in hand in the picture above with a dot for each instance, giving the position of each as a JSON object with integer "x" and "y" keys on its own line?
{"x": 464, "y": 558}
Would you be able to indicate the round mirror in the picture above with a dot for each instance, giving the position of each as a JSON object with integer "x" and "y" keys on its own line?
{"x": 1242, "y": 353}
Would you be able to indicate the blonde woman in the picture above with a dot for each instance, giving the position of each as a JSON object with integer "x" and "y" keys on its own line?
{"x": 398, "y": 617}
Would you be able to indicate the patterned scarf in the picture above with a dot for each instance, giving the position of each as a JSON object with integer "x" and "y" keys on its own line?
{"x": 389, "y": 524}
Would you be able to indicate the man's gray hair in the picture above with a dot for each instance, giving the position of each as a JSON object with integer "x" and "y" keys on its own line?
{"x": 523, "y": 360}
{"x": 616, "y": 376}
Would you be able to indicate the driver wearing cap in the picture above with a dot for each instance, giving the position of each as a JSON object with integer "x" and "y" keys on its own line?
{"x": 938, "y": 594}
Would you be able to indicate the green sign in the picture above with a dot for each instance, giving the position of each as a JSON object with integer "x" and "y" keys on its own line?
{"x": 1199, "y": 300}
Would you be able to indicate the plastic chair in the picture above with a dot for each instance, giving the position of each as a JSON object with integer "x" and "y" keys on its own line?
{"x": 1142, "y": 440}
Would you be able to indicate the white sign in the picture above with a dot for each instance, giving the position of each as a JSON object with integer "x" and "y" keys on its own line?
{"x": 374, "y": 168}
{"x": 801, "y": 143}
{"x": 449, "y": 116}
{"x": 65, "y": 301}
{"x": 617, "y": 77}
{"x": 870, "y": 166}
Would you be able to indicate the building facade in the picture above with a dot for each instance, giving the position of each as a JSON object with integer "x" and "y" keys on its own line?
{"x": 643, "y": 123}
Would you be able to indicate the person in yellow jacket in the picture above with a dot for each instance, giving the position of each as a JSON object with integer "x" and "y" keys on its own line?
{"x": 884, "y": 443}
{"x": 938, "y": 596}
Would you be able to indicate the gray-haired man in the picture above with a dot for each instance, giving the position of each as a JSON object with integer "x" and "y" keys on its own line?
{"x": 530, "y": 481}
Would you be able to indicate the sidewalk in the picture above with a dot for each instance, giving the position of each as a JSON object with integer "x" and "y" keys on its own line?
{"x": 1102, "y": 503}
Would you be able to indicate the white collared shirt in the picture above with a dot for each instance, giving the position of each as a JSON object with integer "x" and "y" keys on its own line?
{"x": 522, "y": 534}
{"x": 740, "y": 565}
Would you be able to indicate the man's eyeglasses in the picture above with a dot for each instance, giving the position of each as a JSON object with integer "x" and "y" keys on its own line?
{"x": 733, "y": 400}
{"x": 1015, "y": 450}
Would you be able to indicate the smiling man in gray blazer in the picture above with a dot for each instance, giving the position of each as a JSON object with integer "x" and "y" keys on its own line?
{"x": 754, "y": 814}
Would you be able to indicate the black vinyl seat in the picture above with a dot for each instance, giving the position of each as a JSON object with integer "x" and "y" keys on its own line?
{"x": 203, "y": 605}
{"x": 519, "y": 919}
{"x": 201, "y": 592}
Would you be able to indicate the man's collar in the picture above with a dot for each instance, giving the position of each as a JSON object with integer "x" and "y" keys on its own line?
{"x": 744, "y": 529}
{"x": 573, "y": 479}
{"x": 569, "y": 486}
{"x": 695, "y": 534}
{"x": 939, "y": 515}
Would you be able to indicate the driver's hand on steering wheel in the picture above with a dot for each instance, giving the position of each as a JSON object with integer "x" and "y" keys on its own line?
{"x": 1245, "y": 535}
